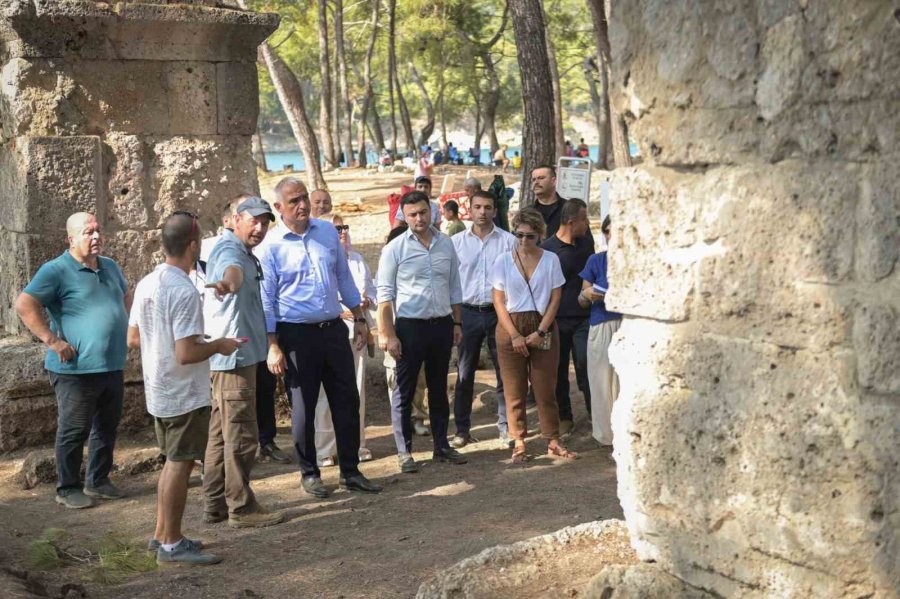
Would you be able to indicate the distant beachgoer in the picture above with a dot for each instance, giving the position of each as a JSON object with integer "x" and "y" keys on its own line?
{"x": 423, "y": 184}
{"x": 582, "y": 151}
{"x": 500, "y": 158}
{"x": 453, "y": 154}
{"x": 569, "y": 151}
{"x": 425, "y": 164}
{"x": 516, "y": 162}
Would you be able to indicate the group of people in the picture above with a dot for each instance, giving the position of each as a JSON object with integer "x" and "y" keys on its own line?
{"x": 281, "y": 293}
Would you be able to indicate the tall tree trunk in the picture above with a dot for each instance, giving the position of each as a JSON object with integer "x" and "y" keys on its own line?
{"x": 559, "y": 135}
{"x": 367, "y": 86}
{"x": 325, "y": 115}
{"x": 492, "y": 100}
{"x": 620, "y": 150}
{"x": 259, "y": 154}
{"x": 479, "y": 127}
{"x": 291, "y": 96}
{"x": 537, "y": 93}
{"x": 601, "y": 114}
{"x": 428, "y": 128}
{"x": 444, "y": 144}
{"x": 376, "y": 132}
{"x": 345, "y": 88}
{"x": 404, "y": 118}
{"x": 392, "y": 69}
{"x": 336, "y": 109}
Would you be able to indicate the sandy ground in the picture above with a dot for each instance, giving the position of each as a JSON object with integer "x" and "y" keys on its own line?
{"x": 349, "y": 545}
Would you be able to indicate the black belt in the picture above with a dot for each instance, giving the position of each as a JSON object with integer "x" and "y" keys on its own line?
{"x": 319, "y": 325}
{"x": 426, "y": 320}
{"x": 479, "y": 308}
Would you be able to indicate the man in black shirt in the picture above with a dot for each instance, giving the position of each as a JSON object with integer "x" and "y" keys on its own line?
{"x": 573, "y": 245}
{"x": 547, "y": 201}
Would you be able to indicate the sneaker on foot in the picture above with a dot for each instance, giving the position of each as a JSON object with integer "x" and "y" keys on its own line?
{"x": 460, "y": 441}
{"x": 105, "y": 490}
{"x": 155, "y": 544}
{"x": 419, "y": 428}
{"x": 505, "y": 441}
{"x": 215, "y": 517}
{"x": 449, "y": 454}
{"x": 407, "y": 464}
{"x": 185, "y": 553}
{"x": 74, "y": 499}
{"x": 365, "y": 454}
{"x": 258, "y": 519}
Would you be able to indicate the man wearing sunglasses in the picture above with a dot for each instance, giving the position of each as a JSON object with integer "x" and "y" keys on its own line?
{"x": 233, "y": 308}
{"x": 305, "y": 279}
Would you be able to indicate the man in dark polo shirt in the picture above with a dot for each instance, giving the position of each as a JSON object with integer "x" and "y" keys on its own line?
{"x": 547, "y": 201}
{"x": 87, "y": 299}
{"x": 573, "y": 245}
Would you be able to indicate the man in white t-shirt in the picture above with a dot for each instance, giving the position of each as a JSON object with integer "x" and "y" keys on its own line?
{"x": 166, "y": 323}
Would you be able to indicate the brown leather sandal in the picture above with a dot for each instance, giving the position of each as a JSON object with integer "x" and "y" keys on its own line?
{"x": 558, "y": 451}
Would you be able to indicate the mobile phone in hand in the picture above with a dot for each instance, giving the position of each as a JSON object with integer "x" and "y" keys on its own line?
{"x": 242, "y": 339}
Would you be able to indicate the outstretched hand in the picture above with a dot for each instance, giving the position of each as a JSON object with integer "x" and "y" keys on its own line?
{"x": 222, "y": 288}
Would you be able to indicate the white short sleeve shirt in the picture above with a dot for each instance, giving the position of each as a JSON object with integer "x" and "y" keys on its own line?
{"x": 167, "y": 308}
{"x": 546, "y": 277}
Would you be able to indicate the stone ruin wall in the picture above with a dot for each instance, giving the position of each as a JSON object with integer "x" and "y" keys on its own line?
{"x": 129, "y": 111}
{"x": 755, "y": 256}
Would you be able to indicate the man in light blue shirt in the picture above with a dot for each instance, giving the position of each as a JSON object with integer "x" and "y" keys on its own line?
{"x": 304, "y": 270}
{"x": 233, "y": 308}
{"x": 419, "y": 273}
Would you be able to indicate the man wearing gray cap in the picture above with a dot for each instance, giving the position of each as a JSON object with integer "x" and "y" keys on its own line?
{"x": 233, "y": 308}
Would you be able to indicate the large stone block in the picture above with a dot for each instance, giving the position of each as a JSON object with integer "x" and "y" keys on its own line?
{"x": 876, "y": 339}
{"x": 26, "y": 422}
{"x": 192, "y": 98}
{"x": 238, "y": 97}
{"x": 62, "y": 175}
{"x": 22, "y": 371}
{"x": 21, "y": 254}
{"x": 132, "y": 31}
{"x": 128, "y": 200}
{"x": 732, "y": 467}
{"x": 199, "y": 174}
{"x": 136, "y": 252}
{"x": 878, "y": 221}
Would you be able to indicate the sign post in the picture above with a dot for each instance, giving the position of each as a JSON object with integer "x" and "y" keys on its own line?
{"x": 573, "y": 178}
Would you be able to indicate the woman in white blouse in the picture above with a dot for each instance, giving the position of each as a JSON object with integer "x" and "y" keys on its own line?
{"x": 527, "y": 288}
{"x": 326, "y": 444}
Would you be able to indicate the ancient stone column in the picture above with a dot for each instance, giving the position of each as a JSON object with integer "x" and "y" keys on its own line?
{"x": 755, "y": 252}
{"x": 127, "y": 110}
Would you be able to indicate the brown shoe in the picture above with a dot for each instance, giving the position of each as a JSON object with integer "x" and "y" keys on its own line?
{"x": 566, "y": 428}
{"x": 258, "y": 519}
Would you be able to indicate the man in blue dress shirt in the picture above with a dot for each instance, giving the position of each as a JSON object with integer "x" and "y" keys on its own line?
{"x": 419, "y": 273}
{"x": 304, "y": 269}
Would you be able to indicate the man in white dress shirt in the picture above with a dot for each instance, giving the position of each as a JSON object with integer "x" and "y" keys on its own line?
{"x": 477, "y": 250}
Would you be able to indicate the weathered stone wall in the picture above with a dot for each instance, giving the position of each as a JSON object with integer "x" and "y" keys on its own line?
{"x": 755, "y": 253}
{"x": 127, "y": 110}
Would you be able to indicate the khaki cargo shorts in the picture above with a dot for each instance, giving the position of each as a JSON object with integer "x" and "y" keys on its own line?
{"x": 183, "y": 438}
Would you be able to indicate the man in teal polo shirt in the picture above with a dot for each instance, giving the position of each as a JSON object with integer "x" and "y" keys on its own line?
{"x": 87, "y": 299}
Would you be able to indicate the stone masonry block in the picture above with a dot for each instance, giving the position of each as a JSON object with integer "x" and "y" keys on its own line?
{"x": 653, "y": 229}
{"x": 238, "y": 97}
{"x": 771, "y": 279}
{"x": 876, "y": 339}
{"x": 22, "y": 371}
{"x": 136, "y": 252}
{"x": 62, "y": 175}
{"x": 25, "y": 422}
{"x": 191, "y": 88}
{"x": 878, "y": 221}
{"x": 199, "y": 174}
{"x": 132, "y": 31}
{"x": 125, "y": 162}
{"x": 21, "y": 254}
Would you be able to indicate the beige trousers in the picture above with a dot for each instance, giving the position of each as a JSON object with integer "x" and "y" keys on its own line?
{"x": 602, "y": 378}
{"x": 326, "y": 442}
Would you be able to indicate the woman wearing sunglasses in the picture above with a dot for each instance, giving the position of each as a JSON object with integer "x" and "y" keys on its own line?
{"x": 527, "y": 289}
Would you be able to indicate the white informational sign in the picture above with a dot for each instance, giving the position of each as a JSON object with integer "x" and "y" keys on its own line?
{"x": 573, "y": 178}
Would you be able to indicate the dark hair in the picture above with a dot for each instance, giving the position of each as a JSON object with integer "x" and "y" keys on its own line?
{"x": 414, "y": 197}
{"x": 178, "y": 231}
{"x": 423, "y": 179}
{"x": 486, "y": 196}
{"x": 547, "y": 166}
{"x": 397, "y": 231}
{"x": 604, "y": 228}
{"x": 571, "y": 209}
{"x": 452, "y": 206}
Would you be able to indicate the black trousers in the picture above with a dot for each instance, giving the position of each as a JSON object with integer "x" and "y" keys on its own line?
{"x": 573, "y": 335}
{"x": 320, "y": 355}
{"x": 266, "y": 384}
{"x": 429, "y": 343}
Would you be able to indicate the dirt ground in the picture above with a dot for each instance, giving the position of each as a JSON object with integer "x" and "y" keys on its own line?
{"x": 349, "y": 545}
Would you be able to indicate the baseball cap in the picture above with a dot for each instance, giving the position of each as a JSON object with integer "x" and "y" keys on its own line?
{"x": 256, "y": 207}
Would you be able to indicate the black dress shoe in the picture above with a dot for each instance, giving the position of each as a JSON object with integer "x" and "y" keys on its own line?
{"x": 449, "y": 454}
{"x": 407, "y": 464}
{"x": 314, "y": 486}
{"x": 358, "y": 482}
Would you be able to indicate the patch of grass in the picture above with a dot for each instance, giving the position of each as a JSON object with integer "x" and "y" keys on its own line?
{"x": 108, "y": 561}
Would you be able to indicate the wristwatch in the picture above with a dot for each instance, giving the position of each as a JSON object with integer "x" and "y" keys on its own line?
{"x": 542, "y": 333}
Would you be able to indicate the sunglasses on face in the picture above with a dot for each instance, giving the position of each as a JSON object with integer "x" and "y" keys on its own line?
{"x": 525, "y": 235}
{"x": 340, "y": 228}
